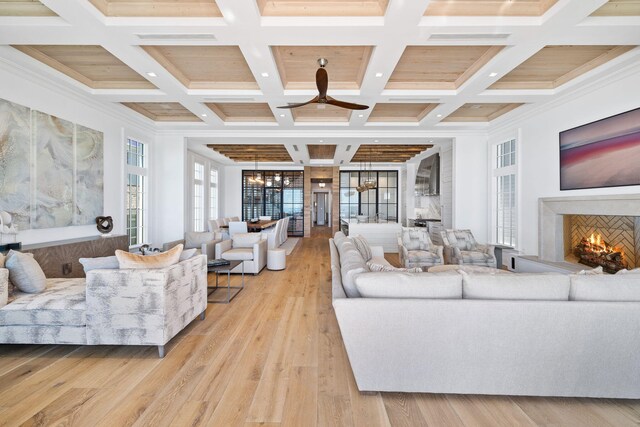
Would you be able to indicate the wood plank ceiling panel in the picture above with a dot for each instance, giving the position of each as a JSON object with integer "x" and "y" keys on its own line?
{"x": 297, "y": 65}
{"x": 255, "y": 152}
{"x": 619, "y": 8}
{"x": 400, "y": 112}
{"x": 387, "y": 153}
{"x": 480, "y": 112}
{"x": 243, "y": 111}
{"x": 163, "y": 111}
{"x": 311, "y": 113}
{"x": 93, "y": 66}
{"x": 488, "y": 7}
{"x": 439, "y": 67}
{"x": 205, "y": 67}
{"x": 553, "y": 66}
{"x": 322, "y": 7}
{"x": 24, "y": 8}
{"x": 324, "y": 151}
{"x": 158, "y": 8}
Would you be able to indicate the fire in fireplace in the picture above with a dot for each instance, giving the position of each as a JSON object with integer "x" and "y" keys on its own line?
{"x": 594, "y": 251}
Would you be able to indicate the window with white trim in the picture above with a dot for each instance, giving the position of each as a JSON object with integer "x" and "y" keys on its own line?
{"x": 203, "y": 192}
{"x": 136, "y": 192}
{"x": 505, "y": 171}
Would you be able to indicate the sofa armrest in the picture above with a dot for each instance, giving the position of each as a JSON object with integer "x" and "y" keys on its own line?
{"x": 377, "y": 251}
{"x": 4, "y": 286}
{"x": 487, "y": 249}
{"x": 260, "y": 254}
{"x": 144, "y": 306}
{"x": 440, "y": 251}
{"x": 222, "y": 247}
{"x": 170, "y": 245}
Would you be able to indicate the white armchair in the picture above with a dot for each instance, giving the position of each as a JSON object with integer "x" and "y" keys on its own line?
{"x": 205, "y": 241}
{"x": 250, "y": 248}
{"x": 417, "y": 250}
{"x": 284, "y": 231}
{"x": 460, "y": 247}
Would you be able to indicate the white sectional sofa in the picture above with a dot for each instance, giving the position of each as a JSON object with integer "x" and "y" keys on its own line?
{"x": 507, "y": 334}
{"x": 109, "y": 307}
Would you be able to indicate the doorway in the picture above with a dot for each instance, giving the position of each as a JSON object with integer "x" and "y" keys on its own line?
{"x": 321, "y": 209}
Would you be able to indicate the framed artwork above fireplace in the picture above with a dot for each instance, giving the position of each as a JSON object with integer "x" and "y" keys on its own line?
{"x": 604, "y": 153}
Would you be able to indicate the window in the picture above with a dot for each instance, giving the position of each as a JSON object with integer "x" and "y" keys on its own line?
{"x": 136, "y": 192}
{"x": 202, "y": 192}
{"x": 380, "y": 202}
{"x": 504, "y": 193}
{"x": 278, "y": 194}
{"x": 198, "y": 196}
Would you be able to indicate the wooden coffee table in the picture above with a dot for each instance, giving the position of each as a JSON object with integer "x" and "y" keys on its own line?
{"x": 222, "y": 269}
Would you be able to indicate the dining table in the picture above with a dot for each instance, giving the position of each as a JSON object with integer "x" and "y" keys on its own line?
{"x": 256, "y": 227}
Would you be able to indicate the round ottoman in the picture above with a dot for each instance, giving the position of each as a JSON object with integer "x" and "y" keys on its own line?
{"x": 276, "y": 259}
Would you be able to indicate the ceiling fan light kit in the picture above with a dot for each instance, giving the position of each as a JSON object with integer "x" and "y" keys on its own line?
{"x": 322, "y": 83}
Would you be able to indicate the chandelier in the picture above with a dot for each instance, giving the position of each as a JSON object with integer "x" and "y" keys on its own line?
{"x": 256, "y": 177}
{"x": 369, "y": 183}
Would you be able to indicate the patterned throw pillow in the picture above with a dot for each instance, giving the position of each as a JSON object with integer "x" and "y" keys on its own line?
{"x": 381, "y": 267}
{"x": 128, "y": 260}
{"x": 362, "y": 246}
{"x": 25, "y": 272}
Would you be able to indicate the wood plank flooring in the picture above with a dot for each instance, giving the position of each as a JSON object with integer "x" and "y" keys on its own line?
{"x": 274, "y": 356}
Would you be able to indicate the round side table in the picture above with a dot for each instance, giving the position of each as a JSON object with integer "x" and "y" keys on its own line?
{"x": 276, "y": 259}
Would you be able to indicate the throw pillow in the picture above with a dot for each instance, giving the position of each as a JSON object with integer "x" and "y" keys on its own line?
{"x": 4, "y": 287}
{"x": 128, "y": 260}
{"x": 188, "y": 254}
{"x": 25, "y": 272}
{"x": 597, "y": 270}
{"x": 381, "y": 267}
{"x": 605, "y": 287}
{"x": 195, "y": 239}
{"x": 362, "y": 246}
{"x": 99, "y": 263}
{"x": 625, "y": 271}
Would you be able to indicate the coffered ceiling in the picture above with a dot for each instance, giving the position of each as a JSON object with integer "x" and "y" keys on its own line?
{"x": 395, "y": 153}
{"x": 253, "y": 153}
{"x": 216, "y": 71}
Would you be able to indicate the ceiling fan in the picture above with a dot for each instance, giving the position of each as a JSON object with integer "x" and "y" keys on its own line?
{"x": 322, "y": 82}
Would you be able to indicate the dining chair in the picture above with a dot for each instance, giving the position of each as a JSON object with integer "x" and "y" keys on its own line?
{"x": 265, "y": 218}
{"x": 237, "y": 227}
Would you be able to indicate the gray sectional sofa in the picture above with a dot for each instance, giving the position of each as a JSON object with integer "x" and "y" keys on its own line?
{"x": 502, "y": 334}
{"x": 109, "y": 307}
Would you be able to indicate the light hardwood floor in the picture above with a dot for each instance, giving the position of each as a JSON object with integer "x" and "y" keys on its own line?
{"x": 273, "y": 356}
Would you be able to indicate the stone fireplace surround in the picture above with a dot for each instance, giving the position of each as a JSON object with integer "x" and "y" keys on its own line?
{"x": 553, "y": 228}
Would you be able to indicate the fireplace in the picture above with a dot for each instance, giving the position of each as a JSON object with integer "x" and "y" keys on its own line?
{"x": 607, "y": 241}
{"x": 591, "y": 230}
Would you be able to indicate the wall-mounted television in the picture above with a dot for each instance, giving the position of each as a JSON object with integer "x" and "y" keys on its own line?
{"x": 604, "y": 153}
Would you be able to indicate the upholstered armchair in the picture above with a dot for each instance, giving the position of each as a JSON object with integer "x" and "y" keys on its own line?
{"x": 417, "y": 250}
{"x": 250, "y": 248}
{"x": 205, "y": 241}
{"x": 460, "y": 247}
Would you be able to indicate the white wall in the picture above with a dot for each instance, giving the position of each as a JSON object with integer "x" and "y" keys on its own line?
{"x": 470, "y": 185}
{"x": 539, "y": 156}
{"x": 22, "y": 87}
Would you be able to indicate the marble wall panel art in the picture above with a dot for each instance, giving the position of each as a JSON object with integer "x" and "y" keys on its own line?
{"x": 15, "y": 134}
{"x": 89, "y": 200}
{"x": 53, "y": 139}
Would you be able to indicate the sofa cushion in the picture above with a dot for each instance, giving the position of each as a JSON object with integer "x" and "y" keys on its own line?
{"x": 388, "y": 267}
{"x": 25, "y": 272}
{"x": 238, "y": 254}
{"x": 476, "y": 269}
{"x": 62, "y": 303}
{"x": 351, "y": 265}
{"x": 362, "y": 246}
{"x": 162, "y": 260}
{"x": 419, "y": 256}
{"x": 99, "y": 263}
{"x": 471, "y": 257}
{"x": 4, "y": 286}
{"x": 605, "y": 287}
{"x": 195, "y": 239}
{"x": 544, "y": 287}
{"x": 625, "y": 271}
{"x": 246, "y": 240}
{"x": 410, "y": 285}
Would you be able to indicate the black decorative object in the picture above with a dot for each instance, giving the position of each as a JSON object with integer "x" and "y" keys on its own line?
{"x": 104, "y": 224}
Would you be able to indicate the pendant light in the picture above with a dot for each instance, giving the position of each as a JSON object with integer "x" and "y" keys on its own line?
{"x": 360, "y": 188}
{"x": 370, "y": 183}
{"x": 257, "y": 176}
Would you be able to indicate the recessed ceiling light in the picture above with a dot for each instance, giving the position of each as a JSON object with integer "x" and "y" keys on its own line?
{"x": 265, "y": 74}
{"x": 322, "y": 140}
{"x": 152, "y": 74}
{"x": 439, "y": 115}
{"x": 281, "y": 115}
{"x": 360, "y": 115}
{"x": 378, "y": 74}
{"x": 493, "y": 74}
{"x": 431, "y": 140}
{"x": 375, "y": 140}
{"x": 204, "y": 114}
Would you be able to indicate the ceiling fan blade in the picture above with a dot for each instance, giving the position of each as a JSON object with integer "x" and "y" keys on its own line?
{"x": 300, "y": 105}
{"x": 322, "y": 82}
{"x": 347, "y": 105}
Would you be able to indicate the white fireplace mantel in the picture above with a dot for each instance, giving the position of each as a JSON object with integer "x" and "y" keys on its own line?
{"x": 551, "y": 230}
